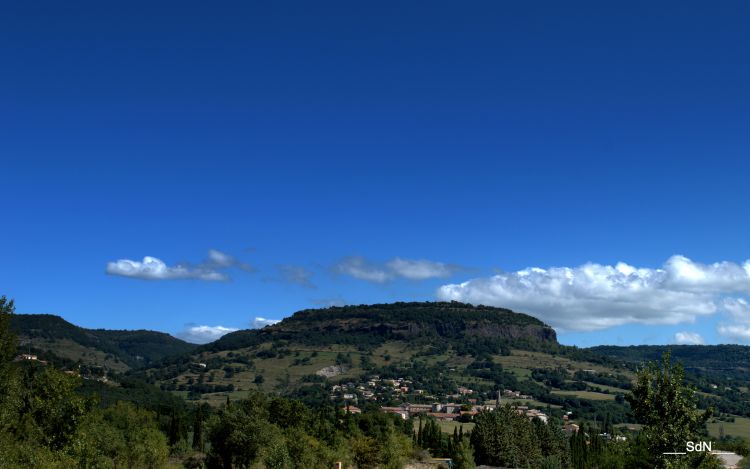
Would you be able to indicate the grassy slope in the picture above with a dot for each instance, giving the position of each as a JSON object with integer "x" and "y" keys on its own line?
{"x": 281, "y": 370}
{"x": 115, "y": 349}
{"x": 74, "y": 351}
{"x": 740, "y": 427}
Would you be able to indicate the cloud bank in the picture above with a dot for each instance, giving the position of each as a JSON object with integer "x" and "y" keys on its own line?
{"x": 739, "y": 314}
{"x": 410, "y": 269}
{"x": 328, "y": 302}
{"x": 204, "y": 334}
{"x": 296, "y": 274}
{"x": 260, "y": 323}
{"x": 688, "y": 338}
{"x": 153, "y": 268}
{"x": 218, "y": 259}
{"x": 594, "y": 296}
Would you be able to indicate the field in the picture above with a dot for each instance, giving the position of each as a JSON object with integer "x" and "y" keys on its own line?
{"x": 611, "y": 389}
{"x": 527, "y": 402}
{"x": 448, "y": 426}
{"x": 594, "y": 396}
{"x": 522, "y": 361}
{"x": 740, "y": 427}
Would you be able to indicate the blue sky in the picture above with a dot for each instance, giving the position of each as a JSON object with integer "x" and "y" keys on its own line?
{"x": 276, "y": 157}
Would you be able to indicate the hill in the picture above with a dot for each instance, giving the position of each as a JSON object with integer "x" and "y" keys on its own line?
{"x": 388, "y": 354}
{"x": 117, "y": 350}
{"x": 368, "y": 326}
{"x": 435, "y": 342}
{"x": 715, "y": 357}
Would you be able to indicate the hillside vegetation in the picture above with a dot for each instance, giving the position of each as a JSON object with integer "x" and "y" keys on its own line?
{"x": 368, "y": 326}
{"x": 117, "y": 350}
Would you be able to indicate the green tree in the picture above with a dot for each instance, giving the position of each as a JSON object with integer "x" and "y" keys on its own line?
{"x": 505, "y": 438}
{"x": 365, "y": 452}
{"x": 668, "y": 410}
{"x": 198, "y": 429}
{"x": 463, "y": 455}
{"x": 145, "y": 445}
{"x": 10, "y": 386}
{"x": 552, "y": 441}
{"x": 8, "y": 343}
{"x": 97, "y": 443}
{"x": 395, "y": 446}
{"x": 306, "y": 451}
{"x": 52, "y": 409}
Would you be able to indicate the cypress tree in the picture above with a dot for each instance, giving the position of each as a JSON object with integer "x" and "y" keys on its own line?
{"x": 173, "y": 430}
{"x": 7, "y": 337}
{"x": 198, "y": 429}
{"x": 420, "y": 433}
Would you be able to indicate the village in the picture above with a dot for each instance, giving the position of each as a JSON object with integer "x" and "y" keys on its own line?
{"x": 416, "y": 403}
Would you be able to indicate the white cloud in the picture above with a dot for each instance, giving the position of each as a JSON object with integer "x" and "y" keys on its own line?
{"x": 259, "y": 323}
{"x": 218, "y": 259}
{"x": 201, "y": 334}
{"x": 296, "y": 274}
{"x": 738, "y": 332}
{"x": 738, "y": 308}
{"x": 328, "y": 302}
{"x": 684, "y": 274}
{"x": 594, "y": 296}
{"x": 688, "y": 338}
{"x": 360, "y": 268}
{"x": 204, "y": 334}
{"x": 410, "y": 269}
{"x": 739, "y": 314}
{"x": 152, "y": 268}
{"x": 421, "y": 269}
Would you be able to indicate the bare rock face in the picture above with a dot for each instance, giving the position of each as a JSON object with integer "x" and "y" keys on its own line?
{"x": 511, "y": 332}
{"x": 331, "y": 371}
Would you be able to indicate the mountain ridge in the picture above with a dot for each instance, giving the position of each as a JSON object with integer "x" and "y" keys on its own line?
{"x": 119, "y": 349}
{"x": 399, "y": 321}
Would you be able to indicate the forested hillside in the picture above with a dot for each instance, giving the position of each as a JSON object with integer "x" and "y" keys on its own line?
{"x": 368, "y": 326}
{"x": 118, "y": 350}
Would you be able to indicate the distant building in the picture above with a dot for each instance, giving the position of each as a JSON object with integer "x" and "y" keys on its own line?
{"x": 30, "y": 358}
{"x": 419, "y": 408}
{"x": 401, "y": 412}
{"x": 570, "y": 428}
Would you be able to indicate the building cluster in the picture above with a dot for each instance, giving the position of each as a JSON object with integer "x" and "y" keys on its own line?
{"x": 374, "y": 387}
{"x": 453, "y": 411}
{"x": 24, "y": 357}
{"x": 532, "y": 413}
{"x": 515, "y": 394}
{"x": 449, "y": 411}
